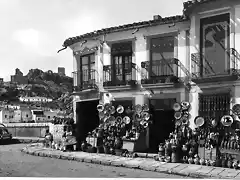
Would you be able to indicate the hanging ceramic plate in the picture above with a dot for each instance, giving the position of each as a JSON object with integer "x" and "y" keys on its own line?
{"x": 185, "y": 105}
{"x": 126, "y": 120}
{"x": 145, "y": 107}
{"x": 227, "y": 120}
{"x": 137, "y": 117}
{"x": 138, "y": 108}
{"x": 236, "y": 109}
{"x": 176, "y": 107}
{"x": 145, "y": 115}
{"x": 199, "y": 121}
{"x": 112, "y": 110}
{"x": 119, "y": 119}
{"x": 178, "y": 115}
{"x": 214, "y": 122}
{"x": 120, "y": 109}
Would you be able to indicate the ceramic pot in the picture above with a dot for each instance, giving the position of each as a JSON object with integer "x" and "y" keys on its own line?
{"x": 190, "y": 160}
{"x": 161, "y": 150}
{"x": 207, "y": 162}
{"x": 118, "y": 143}
{"x": 229, "y": 163}
{"x": 168, "y": 159}
{"x": 218, "y": 162}
{"x": 224, "y": 163}
{"x": 106, "y": 150}
{"x": 235, "y": 164}
{"x": 185, "y": 159}
{"x": 202, "y": 161}
{"x": 175, "y": 157}
{"x": 197, "y": 160}
{"x": 213, "y": 163}
{"x": 84, "y": 146}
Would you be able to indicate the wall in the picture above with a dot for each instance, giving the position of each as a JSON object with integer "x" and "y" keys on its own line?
{"x": 26, "y": 115}
{"x": 140, "y": 42}
{"x": 7, "y": 116}
{"x": 17, "y": 116}
{"x": 27, "y": 129}
{"x": 49, "y": 115}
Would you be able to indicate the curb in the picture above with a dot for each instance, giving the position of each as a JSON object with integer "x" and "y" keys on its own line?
{"x": 116, "y": 163}
{"x": 27, "y": 141}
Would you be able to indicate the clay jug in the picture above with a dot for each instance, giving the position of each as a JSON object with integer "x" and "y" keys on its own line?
{"x": 218, "y": 162}
{"x": 161, "y": 150}
{"x": 229, "y": 163}
{"x": 174, "y": 155}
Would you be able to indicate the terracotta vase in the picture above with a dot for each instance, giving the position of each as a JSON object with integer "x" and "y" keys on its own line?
{"x": 185, "y": 159}
{"x": 218, "y": 162}
{"x": 202, "y": 161}
{"x": 229, "y": 163}
{"x": 161, "y": 150}
{"x": 224, "y": 163}
{"x": 235, "y": 164}
{"x": 190, "y": 160}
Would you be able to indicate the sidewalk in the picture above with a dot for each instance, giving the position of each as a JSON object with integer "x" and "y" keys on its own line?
{"x": 147, "y": 164}
{"x": 27, "y": 139}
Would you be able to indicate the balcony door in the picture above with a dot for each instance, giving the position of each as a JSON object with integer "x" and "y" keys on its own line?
{"x": 215, "y": 45}
{"x": 87, "y": 69}
{"x": 122, "y": 62}
{"x": 162, "y": 52}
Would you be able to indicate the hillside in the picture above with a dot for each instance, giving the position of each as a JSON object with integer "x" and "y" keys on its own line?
{"x": 44, "y": 84}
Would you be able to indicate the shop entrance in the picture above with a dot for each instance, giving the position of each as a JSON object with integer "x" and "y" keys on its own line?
{"x": 163, "y": 122}
{"x": 87, "y": 118}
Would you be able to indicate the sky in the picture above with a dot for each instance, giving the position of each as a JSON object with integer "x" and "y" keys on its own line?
{"x": 32, "y": 31}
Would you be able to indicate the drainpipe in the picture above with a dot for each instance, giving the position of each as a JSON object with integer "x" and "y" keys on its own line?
{"x": 62, "y": 49}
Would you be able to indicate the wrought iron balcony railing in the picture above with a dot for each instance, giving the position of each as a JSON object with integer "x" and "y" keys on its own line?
{"x": 85, "y": 79}
{"x": 199, "y": 69}
{"x": 159, "y": 71}
{"x": 120, "y": 74}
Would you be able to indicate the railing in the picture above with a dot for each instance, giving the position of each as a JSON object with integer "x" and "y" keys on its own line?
{"x": 86, "y": 79}
{"x": 200, "y": 70}
{"x": 161, "y": 71}
{"x": 117, "y": 75}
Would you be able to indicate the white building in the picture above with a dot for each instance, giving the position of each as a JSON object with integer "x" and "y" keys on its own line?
{"x": 35, "y": 99}
{"x": 6, "y": 115}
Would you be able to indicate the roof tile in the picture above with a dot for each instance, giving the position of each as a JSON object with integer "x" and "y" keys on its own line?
{"x": 166, "y": 20}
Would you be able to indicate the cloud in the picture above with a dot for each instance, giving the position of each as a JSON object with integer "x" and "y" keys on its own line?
{"x": 27, "y": 37}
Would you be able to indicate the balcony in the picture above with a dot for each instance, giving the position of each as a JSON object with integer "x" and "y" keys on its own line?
{"x": 210, "y": 70}
{"x": 119, "y": 75}
{"x": 85, "y": 79}
{"x": 160, "y": 71}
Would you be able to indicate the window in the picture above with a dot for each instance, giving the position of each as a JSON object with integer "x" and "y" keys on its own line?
{"x": 215, "y": 44}
{"x": 162, "y": 51}
{"x": 5, "y": 116}
{"x": 26, "y": 115}
{"x": 122, "y": 61}
{"x": 87, "y": 66}
{"x": 49, "y": 117}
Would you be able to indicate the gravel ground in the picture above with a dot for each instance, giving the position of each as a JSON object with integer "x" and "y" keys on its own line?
{"x": 14, "y": 163}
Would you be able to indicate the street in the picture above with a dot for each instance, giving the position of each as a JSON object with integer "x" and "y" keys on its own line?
{"x": 14, "y": 163}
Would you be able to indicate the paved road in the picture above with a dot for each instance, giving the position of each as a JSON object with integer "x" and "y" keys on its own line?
{"x": 17, "y": 164}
